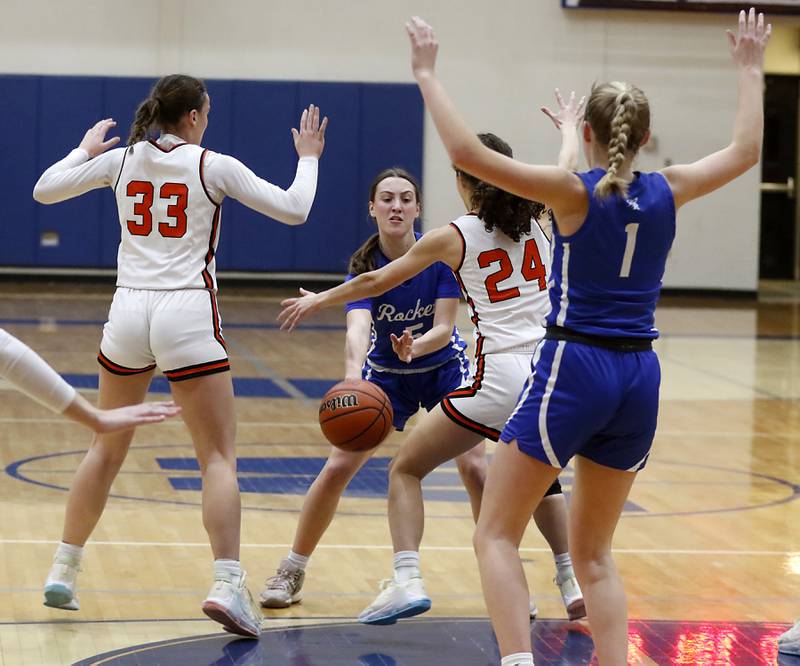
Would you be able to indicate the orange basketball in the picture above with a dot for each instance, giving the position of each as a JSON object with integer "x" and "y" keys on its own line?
{"x": 355, "y": 415}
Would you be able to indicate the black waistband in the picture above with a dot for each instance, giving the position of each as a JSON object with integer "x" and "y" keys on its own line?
{"x": 617, "y": 344}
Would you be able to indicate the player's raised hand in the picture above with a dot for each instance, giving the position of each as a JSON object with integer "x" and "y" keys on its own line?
{"x": 402, "y": 346}
{"x": 568, "y": 113}
{"x": 309, "y": 140}
{"x": 423, "y": 46}
{"x": 94, "y": 141}
{"x": 295, "y": 309}
{"x": 747, "y": 48}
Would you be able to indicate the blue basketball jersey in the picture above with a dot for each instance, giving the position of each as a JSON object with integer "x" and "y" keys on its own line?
{"x": 409, "y": 305}
{"x": 606, "y": 277}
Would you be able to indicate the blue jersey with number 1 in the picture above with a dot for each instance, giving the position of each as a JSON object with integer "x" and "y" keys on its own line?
{"x": 607, "y": 275}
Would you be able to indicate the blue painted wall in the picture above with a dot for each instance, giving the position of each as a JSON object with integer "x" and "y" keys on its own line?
{"x": 372, "y": 126}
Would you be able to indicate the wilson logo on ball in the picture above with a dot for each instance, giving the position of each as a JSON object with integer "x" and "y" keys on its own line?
{"x": 339, "y": 402}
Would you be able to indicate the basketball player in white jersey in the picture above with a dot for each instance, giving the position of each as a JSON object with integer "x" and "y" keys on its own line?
{"x": 501, "y": 259}
{"x": 164, "y": 313}
{"x": 28, "y": 372}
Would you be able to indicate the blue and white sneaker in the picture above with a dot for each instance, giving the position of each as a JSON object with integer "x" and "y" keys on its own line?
{"x": 789, "y": 641}
{"x": 59, "y": 589}
{"x": 396, "y": 601}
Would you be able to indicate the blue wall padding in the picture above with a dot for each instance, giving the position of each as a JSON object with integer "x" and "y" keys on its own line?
{"x": 372, "y": 126}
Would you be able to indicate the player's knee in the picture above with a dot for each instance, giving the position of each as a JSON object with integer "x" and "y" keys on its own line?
{"x": 338, "y": 472}
{"x": 591, "y": 563}
{"x": 473, "y": 473}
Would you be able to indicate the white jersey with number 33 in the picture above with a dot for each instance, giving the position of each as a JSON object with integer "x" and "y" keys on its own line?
{"x": 505, "y": 284}
{"x": 170, "y": 224}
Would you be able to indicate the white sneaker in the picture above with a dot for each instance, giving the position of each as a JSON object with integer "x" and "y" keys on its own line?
{"x": 233, "y": 607}
{"x": 395, "y": 601}
{"x": 571, "y": 595}
{"x": 533, "y": 610}
{"x": 59, "y": 589}
{"x": 284, "y": 588}
{"x": 789, "y": 641}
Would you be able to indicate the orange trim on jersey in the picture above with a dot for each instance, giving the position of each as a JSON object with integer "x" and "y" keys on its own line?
{"x": 215, "y": 321}
{"x": 465, "y": 422}
{"x": 202, "y": 180}
{"x": 199, "y": 370}
{"x": 463, "y": 250}
{"x": 166, "y": 150}
{"x": 117, "y": 369}
{"x": 207, "y": 280}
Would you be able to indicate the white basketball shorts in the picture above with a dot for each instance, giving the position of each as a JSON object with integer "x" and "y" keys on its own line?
{"x": 179, "y": 331}
{"x": 484, "y": 404}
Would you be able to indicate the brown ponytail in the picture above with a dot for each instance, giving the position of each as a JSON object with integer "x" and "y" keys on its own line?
{"x": 146, "y": 116}
{"x": 363, "y": 259}
{"x": 171, "y": 97}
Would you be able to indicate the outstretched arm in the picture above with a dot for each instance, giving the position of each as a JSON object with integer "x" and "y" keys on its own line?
{"x": 690, "y": 181}
{"x": 356, "y": 342}
{"x": 443, "y": 244}
{"x": 226, "y": 176}
{"x": 28, "y": 372}
{"x": 555, "y": 187}
{"x": 87, "y": 167}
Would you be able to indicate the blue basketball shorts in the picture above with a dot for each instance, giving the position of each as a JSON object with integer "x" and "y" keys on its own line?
{"x": 586, "y": 400}
{"x": 408, "y": 391}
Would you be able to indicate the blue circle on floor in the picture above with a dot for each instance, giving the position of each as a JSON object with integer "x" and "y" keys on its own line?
{"x": 457, "y": 641}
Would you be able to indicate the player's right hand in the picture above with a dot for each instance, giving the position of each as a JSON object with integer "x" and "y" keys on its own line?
{"x": 94, "y": 142}
{"x": 309, "y": 140}
{"x": 295, "y": 309}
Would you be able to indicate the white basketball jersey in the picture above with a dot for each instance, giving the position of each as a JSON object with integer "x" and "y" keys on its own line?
{"x": 505, "y": 284}
{"x": 170, "y": 225}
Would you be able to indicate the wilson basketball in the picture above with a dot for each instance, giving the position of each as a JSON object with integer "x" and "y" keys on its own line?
{"x": 355, "y": 415}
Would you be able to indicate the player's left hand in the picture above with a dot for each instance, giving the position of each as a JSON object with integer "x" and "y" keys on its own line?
{"x": 569, "y": 113}
{"x": 295, "y": 309}
{"x": 94, "y": 142}
{"x": 423, "y": 46}
{"x": 403, "y": 346}
{"x": 123, "y": 418}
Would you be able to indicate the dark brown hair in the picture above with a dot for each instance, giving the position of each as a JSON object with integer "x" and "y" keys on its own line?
{"x": 171, "y": 97}
{"x": 497, "y": 208}
{"x": 619, "y": 115}
{"x": 363, "y": 259}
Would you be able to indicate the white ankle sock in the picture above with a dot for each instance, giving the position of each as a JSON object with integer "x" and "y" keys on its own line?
{"x": 67, "y": 551}
{"x": 298, "y": 561}
{"x": 228, "y": 569}
{"x": 518, "y": 659}
{"x": 406, "y": 565}
{"x": 563, "y": 563}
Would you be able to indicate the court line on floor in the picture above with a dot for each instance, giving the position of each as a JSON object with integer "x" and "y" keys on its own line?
{"x": 351, "y": 546}
{"x": 314, "y": 425}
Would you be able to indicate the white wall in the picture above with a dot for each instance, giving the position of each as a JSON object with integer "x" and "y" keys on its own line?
{"x": 499, "y": 60}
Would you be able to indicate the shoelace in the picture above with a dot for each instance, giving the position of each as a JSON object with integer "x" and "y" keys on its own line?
{"x": 284, "y": 580}
{"x": 386, "y": 583}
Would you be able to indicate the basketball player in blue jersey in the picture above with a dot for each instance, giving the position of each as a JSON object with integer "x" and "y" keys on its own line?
{"x": 593, "y": 393}
{"x": 405, "y": 341}
{"x": 501, "y": 258}
{"x": 169, "y": 193}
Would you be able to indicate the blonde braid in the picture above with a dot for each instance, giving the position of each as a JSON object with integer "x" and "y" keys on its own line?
{"x": 624, "y": 112}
